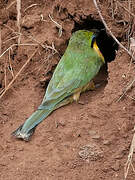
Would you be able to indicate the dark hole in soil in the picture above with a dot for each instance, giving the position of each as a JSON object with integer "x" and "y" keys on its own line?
{"x": 105, "y": 42}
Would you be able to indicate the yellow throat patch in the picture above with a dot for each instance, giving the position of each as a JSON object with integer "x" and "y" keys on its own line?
{"x": 95, "y": 47}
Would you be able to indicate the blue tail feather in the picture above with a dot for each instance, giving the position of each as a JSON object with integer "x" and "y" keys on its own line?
{"x": 26, "y": 130}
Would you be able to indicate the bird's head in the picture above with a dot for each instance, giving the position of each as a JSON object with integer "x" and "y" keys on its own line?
{"x": 106, "y": 44}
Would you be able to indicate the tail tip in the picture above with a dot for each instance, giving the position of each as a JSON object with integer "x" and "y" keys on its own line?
{"x": 22, "y": 135}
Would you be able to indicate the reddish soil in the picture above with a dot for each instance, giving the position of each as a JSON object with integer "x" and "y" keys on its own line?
{"x": 88, "y": 141}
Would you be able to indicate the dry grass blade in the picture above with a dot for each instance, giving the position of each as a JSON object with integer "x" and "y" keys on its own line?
{"x": 32, "y": 5}
{"x": 5, "y": 73}
{"x": 12, "y": 3}
{"x": 58, "y": 25}
{"x": 95, "y": 3}
{"x": 132, "y": 46}
{"x": 19, "y": 19}
{"x": 129, "y": 161}
{"x": 10, "y": 65}
{"x": 11, "y": 29}
{"x": 132, "y": 50}
{"x": 8, "y": 49}
{"x": 130, "y": 97}
{"x": 15, "y": 77}
{"x": 10, "y": 39}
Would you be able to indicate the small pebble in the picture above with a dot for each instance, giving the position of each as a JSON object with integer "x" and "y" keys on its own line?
{"x": 106, "y": 142}
{"x": 94, "y": 134}
{"x": 96, "y": 137}
{"x": 91, "y": 133}
{"x": 116, "y": 166}
{"x": 21, "y": 149}
{"x": 12, "y": 157}
{"x": 50, "y": 138}
{"x": 119, "y": 156}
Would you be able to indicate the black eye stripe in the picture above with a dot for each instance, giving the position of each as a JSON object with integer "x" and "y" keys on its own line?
{"x": 93, "y": 39}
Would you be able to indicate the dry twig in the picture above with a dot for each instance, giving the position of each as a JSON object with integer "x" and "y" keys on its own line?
{"x": 19, "y": 19}
{"x": 15, "y": 77}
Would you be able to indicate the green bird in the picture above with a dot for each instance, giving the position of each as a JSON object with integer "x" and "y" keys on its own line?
{"x": 73, "y": 75}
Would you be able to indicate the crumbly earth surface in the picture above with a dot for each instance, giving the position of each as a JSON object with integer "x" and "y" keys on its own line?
{"x": 87, "y": 141}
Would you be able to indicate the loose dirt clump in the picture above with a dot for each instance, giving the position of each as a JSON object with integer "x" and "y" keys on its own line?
{"x": 63, "y": 146}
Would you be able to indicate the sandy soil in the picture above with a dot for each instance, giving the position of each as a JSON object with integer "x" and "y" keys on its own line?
{"x": 88, "y": 141}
